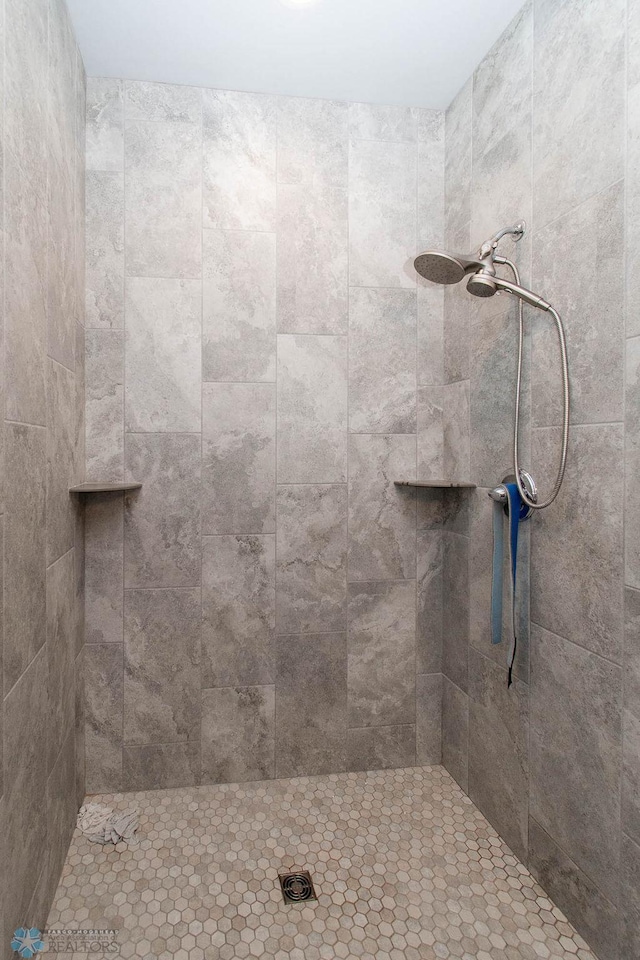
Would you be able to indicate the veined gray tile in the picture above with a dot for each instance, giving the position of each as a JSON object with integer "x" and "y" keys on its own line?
{"x": 498, "y": 750}
{"x": 382, "y": 517}
{"x": 631, "y": 718}
{"x": 239, "y": 161}
{"x": 238, "y": 457}
{"x": 632, "y": 464}
{"x": 161, "y": 666}
{"x": 429, "y": 718}
{"x": 238, "y": 610}
{"x": 311, "y": 687}
{"x": 578, "y": 92}
{"x": 313, "y": 255}
{"x": 576, "y": 711}
{"x": 430, "y": 433}
{"x": 455, "y": 608}
{"x": 371, "y": 121}
{"x": 577, "y": 554}
{"x": 60, "y": 653}
{"x": 430, "y": 125}
{"x": 630, "y": 921}
{"x": 455, "y": 731}
{"x": 104, "y": 572}
{"x": 312, "y": 409}
{"x": 456, "y": 430}
{"x": 632, "y": 180}
{"x": 595, "y": 917}
{"x": 381, "y": 748}
{"x": 430, "y": 365}
{"x": 382, "y": 361}
{"x": 311, "y": 558}
{"x": 104, "y": 359}
{"x": 382, "y": 653}
{"x": 104, "y": 249}
{"x": 429, "y": 624}
{"x": 457, "y": 172}
{"x": 25, "y": 297}
{"x": 593, "y": 314}
{"x": 163, "y": 355}
{"x": 162, "y": 521}
{"x": 430, "y": 199}
{"x": 456, "y": 329}
{"x": 63, "y": 294}
{"x": 238, "y": 734}
{"x": 62, "y": 814}
{"x": 163, "y": 199}
{"x": 79, "y": 729}
{"x": 26, "y": 86}
{"x": 160, "y": 766}
{"x": 105, "y": 125}
{"x": 382, "y": 213}
{"x": 104, "y": 712}
{"x": 61, "y": 423}
{"x": 162, "y": 101}
{"x": 239, "y": 305}
{"x": 313, "y": 142}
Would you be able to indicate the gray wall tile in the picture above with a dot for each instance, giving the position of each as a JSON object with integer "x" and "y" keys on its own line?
{"x": 239, "y": 305}
{"x": 631, "y": 718}
{"x": 60, "y": 507}
{"x": 161, "y": 766}
{"x": 429, "y": 718}
{"x": 312, "y": 409}
{"x": 455, "y": 731}
{"x": 26, "y": 86}
{"x": 381, "y": 748}
{"x": 104, "y": 568}
{"x": 430, "y": 433}
{"x": 105, "y": 125}
{"x": 238, "y": 458}
{"x": 162, "y": 521}
{"x": 372, "y": 121}
{"x": 162, "y": 101}
{"x": 60, "y": 647}
{"x": 104, "y": 684}
{"x": 429, "y": 622}
{"x": 632, "y": 179}
{"x": 104, "y": 359}
{"x": 238, "y": 610}
{"x": 162, "y": 355}
{"x": 576, "y": 711}
{"x": 632, "y": 463}
{"x": 630, "y": 919}
{"x": 456, "y": 431}
{"x": 311, "y": 704}
{"x": 430, "y": 356}
{"x": 105, "y": 249}
{"x": 311, "y": 558}
{"x": 238, "y": 734}
{"x": 457, "y": 170}
{"x": 455, "y": 608}
{"x": 382, "y": 517}
{"x": 312, "y": 142}
{"x": 61, "y": 817}
{"x": 382, "y": 653}
{"x": 161, "y": 666}
{"x": 382, "y": 361}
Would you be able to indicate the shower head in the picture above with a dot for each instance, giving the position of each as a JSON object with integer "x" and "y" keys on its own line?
{"x": 440, "y": 267}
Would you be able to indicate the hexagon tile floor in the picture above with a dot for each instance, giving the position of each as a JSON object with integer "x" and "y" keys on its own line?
{"x": 405, "y": 868}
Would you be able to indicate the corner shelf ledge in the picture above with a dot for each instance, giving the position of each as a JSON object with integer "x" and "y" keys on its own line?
{"x": 437, "y": 484}
{"x": 98, "y": 487}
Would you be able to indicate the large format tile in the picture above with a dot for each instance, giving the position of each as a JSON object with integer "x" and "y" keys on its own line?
{"x": 161, "y": 666}
{"x": 577, "y": 549}
{"x": 311, "y": 704}
{"x": 104, "y": 360}
{"x": 457, "y": 171}
{"x": 631, "y": 718}
{"x": 311, "y": 558}
{"x": 381, "y": 748}
{"x": 632, "y": 464}
{"x": 382, "y": 517}
{"x": 455, "y": 731}
{"x": 430, "y": 587}
{"x": 162, "y": 521}
{"x": 162, "y": 101}
{"x": 163, "y": 355}
{"x": 630, "y": 907}
{"x": 430, "y": 350}
{"x": 105, "y": 125}
{"x": 632, "y": 182}
{"x": 430, "y": 439}
{"x": 576, "y": 712}
{"x": 312, "y": 409}
{"x": 104, "y": 301}
{"x": 238, "y": 734}
{"x": 429, "y": 718}
{"x": 239, "y": 160}
{"x": 163, "y": 199}
{"x": 159, "y": 766}
{"x": 372, "y": 121}
{"x": 104, "y": 716}
{"x": 382, "y": 361}
{"x": 63, "y": 293}
{"x": 564, "y": 255}
{"x": 239, "y": 305}
{"x": 455, "y": 608}
{"x": 498, "y": 750}
{"x": 238, "y": 610}
{"x": 313, "y": 142}
{"x": 382, "y": 653}
{"x": 61, "y": 819}
{"x": 61, "y": 463}
{"x": 578, "y": 90}
{"x": 238, "y": 458}
{"x": 25, "y": 549}
{"x": 382, "y": 213}
{"x": 60, "y": 653}
{"x": 26, "y": 86}
{"x": 456, "y": 431}
{"x": 104, "y": 570}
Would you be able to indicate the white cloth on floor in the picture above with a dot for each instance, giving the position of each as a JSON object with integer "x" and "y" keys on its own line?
{"x": 100, "y": 824}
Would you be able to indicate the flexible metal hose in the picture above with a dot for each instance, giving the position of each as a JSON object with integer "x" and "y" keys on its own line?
{"x": 540, "y": 505}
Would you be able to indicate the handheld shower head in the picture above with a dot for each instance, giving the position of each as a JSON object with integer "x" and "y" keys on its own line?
{"x": 483, "y": 285}
{"x": 440, "y": 267}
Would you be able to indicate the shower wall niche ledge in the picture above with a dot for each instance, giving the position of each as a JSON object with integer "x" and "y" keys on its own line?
{"x": 98, "y": 486}
{"x": 437, "y": 484}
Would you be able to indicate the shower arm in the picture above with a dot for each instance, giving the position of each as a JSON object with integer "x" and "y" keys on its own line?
{"x": 525, "y": 296}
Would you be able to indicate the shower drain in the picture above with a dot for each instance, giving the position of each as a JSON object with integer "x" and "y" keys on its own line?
{"x": 297, "y": 887}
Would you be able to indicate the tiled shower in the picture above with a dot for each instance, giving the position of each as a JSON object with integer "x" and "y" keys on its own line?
{"x": 210, "y": 293}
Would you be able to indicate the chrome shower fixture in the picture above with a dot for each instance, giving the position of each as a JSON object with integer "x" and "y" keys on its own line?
{"x": 480, "y": 268}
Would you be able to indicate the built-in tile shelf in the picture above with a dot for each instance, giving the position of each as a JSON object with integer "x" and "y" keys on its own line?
{"x": 98, "y": 487}
{"x": 436, "y": 484}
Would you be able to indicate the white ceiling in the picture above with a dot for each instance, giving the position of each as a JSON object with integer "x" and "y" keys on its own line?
{"x": 416, "y": 52}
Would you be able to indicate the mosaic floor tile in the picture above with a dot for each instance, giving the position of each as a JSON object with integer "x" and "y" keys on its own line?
{"x": 404, "y": 865}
